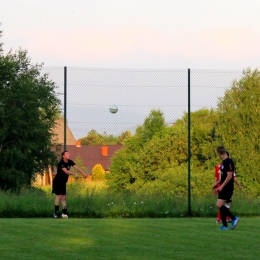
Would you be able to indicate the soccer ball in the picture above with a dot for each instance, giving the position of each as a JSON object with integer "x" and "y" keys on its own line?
{"x": 113, "y": 109}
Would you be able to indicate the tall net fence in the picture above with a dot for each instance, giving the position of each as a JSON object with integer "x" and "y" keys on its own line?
{"x": 141, "y": 167}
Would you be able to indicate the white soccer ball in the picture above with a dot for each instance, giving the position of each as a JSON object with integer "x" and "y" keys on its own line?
{"x": 113, "y": 109}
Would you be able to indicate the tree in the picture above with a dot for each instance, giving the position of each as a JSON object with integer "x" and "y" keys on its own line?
{"x": 28, "y": 109}
{"x": 238, "y": 127}
{"x": 156, "y": 147}
{"x": 128, "y": 163}
{"x": 95, "y": 138}
{"x": 121, "y": 138}
{"x": 153, "y": 124}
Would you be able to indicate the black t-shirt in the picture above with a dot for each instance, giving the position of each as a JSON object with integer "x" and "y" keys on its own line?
{"x": 227, "y": 166}
{"x": 61, "y": 175}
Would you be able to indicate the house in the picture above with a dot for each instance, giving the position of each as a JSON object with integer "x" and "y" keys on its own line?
{"x": 59, "y": 133}
{"x": 90, "y": 154}
{"x": 93, "y": 154}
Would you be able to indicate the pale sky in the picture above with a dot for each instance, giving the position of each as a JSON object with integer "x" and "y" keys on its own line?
{"x": 201, "y": 34}
{"x": 138, "y": 35}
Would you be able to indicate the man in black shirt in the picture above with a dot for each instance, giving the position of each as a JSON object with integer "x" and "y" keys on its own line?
{"x": 60, "y": 180}
{"x": 225, "y": 190}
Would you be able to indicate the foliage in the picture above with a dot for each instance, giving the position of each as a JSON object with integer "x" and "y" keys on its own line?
{"x": 28, "y": 109}
{"x": 144, "y": 164}
{"x": 157, "y": 151}
{"x": 238, "y": 127}
{"x": 95, "y": 199}
{"x": 95, "y": 138}
{"x": 203, "y": 137}
{"x": 98, "y": 173}
{"x": 79, "y": 163}
{"x": 128, "y": 164}
{"x": 123, "y": 137}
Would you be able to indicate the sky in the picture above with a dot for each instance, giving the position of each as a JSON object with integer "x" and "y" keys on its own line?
{"x": 201, "y": 34}
{"x": 135, "y": 53}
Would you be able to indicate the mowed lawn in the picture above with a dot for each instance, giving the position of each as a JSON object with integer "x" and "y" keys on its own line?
{"x": 170, "y": 238}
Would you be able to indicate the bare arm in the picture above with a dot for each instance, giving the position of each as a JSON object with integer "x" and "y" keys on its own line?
{"x": 238, "y": 183}
{"x": 216, "y": 183}
{"x": 83, "y": 174}
{"x": 70, "y": 173}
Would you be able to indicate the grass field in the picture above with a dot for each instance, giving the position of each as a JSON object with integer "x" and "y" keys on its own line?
{"x": 93, "y": 201}
{"x": 164, "y": 238}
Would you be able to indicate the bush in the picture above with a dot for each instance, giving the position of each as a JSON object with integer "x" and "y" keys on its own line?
{"x": 98, "y": 173}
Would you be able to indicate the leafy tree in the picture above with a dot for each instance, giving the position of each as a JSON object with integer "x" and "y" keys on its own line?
{"x": 238, "y": 127}
{"x": 145, "y": 160}
{"x": 95, "y": 138}
{"x": 28, "y": 109}
{"x": 153, "y": 124}
{"x": 203, "y": 136}
{"x": 124, "y": 136}
{"x": 128, "y": 163}
{"x": 157, "y": 152}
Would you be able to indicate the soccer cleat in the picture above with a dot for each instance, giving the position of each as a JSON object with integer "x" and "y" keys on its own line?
{"x": 64, "y": 216}
{"x": 223, "y": 228}
{"x": 218, "y": 221}
{"x": 56, "y": 215}
{"x": 234, "y": 222}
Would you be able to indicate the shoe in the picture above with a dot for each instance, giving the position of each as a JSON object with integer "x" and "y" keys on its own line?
{"x": 56, "y": 215}
{"x": 218, "y": 221}
{"x": 229, "y": 221}
{"x": 223, "y": 228}
{"x": 64, "y": 215}
{"x": 234, "y": 222}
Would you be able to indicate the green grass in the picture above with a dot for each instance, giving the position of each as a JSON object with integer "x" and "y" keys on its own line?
{"x": 94, "y": 201}
{"x": 164, "y": 238}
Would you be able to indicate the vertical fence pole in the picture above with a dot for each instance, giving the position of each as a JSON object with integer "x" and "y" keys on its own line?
{"x": 189, "y": 152}
{"x": 65, "y": 108}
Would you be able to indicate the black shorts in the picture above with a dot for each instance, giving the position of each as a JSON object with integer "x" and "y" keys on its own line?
{"x": 229, "y": 200}
{"x": 225, "y": 194}
{"x": 59, "y": 187}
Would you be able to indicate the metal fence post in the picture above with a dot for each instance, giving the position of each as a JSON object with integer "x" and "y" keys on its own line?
{"x": 65, "y": 108}
{"x": 189, "y": 153}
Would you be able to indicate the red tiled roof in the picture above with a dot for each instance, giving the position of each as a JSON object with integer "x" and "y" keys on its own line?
{"x": 92, "y": 154}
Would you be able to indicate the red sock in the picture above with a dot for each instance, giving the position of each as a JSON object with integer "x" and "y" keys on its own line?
{"x": 219, "y": 216}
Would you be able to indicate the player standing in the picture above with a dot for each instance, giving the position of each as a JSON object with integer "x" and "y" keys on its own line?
{"x": 225, "y": 190}
{"x": 217, "y": 184}
{"x": 60, "y": 181}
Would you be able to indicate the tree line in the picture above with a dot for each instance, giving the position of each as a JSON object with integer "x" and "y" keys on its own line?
{"x": 154, "y": 159}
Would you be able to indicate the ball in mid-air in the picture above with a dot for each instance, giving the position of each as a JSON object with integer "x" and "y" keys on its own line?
{"x": 113, "y": 109}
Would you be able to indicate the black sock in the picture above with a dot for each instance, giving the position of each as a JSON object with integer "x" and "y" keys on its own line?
{"x": 64, "y": 211}
{"x": 228, "y": 212}
{"x": 56, "y": 209}
{"x": 223, "y": 216}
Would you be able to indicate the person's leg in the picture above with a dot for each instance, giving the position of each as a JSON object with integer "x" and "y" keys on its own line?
{"x": 63, "y": 201}
{"x": 228, "y": 202}
{"x": 220, "y": 204}
{"x": 233, "y": 218}
{"x": 218, "y": 217}
{"x": 56, "y": 206}
{"x": 64, "y": 206}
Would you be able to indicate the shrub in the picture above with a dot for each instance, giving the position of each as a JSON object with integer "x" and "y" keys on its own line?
{"x": 98, "y": 173}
